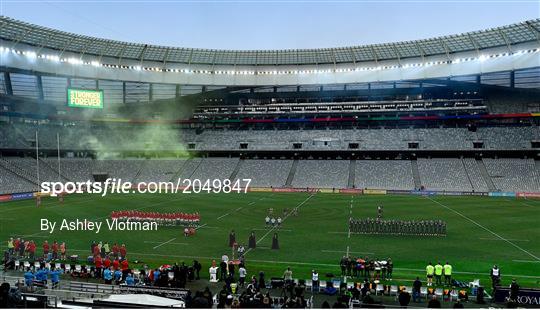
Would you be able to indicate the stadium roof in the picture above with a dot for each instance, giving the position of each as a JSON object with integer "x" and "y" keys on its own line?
{"x": 17, "y": 32}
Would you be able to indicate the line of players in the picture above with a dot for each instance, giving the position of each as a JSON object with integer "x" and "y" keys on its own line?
{"x": 398, "y": 227}
{"x": 271, "y": 221}
{"x": 165, "y": 219}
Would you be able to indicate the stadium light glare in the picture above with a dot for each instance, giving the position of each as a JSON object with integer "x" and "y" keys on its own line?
{"x": 30, "y": 54}
{"x": 74, "y": 61}
{"x": 78, "y": 61}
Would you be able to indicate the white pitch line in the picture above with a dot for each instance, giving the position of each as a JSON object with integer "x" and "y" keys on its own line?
{"x": 302, "y": 263}
{"x": 175, "y": 243}
{"x": 236, "y": 210}
{"x": 108, "y": 215}
{"x": 338, "y": 232}
{"x": 522, "y": 202}
{"x": 333, "y": 251}
{"x": 526, "y": 261}
{"x": 222, "y": 216}
{"x": 287, "y": 216}
{"x": 199, "y": 227}
{"x": 497, "y": 239}
{"x": 486, "y": 229}
{"x": 349, "y": 224}
{"x": 163, "y": 243}
{"x": 265, "y": 229}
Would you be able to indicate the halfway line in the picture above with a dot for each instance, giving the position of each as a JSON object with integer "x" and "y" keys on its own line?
{"x": 157, "y": 246}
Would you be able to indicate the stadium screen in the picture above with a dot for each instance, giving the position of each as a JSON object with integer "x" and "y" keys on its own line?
{"x": 85, "y": 98}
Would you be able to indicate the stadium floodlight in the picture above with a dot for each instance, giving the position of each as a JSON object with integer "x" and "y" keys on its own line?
{"x": 137, "y": 68}
{"x": 74, "y": 61}
{"x": 482, "y": 58}
{"x": 95, "y": 63}
{"x": 30, "y": 54}
{"x": 54, "y": 58}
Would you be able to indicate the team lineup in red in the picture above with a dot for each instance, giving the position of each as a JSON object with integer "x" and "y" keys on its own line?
{"x": 166, "y": 219}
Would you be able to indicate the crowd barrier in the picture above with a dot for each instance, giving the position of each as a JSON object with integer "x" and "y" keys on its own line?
{"x": 502, "y": 194}
{"x": 528, "y": 195}
{"x": 354, "y": 191}
{"x": 526, "y": 296}
{"x": 18, "y": 196}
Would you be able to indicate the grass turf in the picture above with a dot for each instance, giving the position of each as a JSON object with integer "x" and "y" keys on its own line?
{"x": 482, "y": 231}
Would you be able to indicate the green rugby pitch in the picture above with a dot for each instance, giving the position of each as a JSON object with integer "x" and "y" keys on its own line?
{"x": 482, "y": 231}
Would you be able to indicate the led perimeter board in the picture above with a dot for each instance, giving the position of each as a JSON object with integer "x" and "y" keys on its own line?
{"x": 85, "y": 98}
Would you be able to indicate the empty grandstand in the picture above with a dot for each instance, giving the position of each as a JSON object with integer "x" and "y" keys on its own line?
{"x": 321, "y": 134}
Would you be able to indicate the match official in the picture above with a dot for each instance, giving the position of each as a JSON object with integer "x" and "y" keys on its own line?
{"x": 447, "y": 268}
{"x": 438, "y": 274}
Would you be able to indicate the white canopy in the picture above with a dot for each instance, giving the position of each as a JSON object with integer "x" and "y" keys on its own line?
{"x": 146, "y": 299}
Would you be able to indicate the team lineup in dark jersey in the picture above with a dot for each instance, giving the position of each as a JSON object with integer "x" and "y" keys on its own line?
{"x": 397, "y": 227}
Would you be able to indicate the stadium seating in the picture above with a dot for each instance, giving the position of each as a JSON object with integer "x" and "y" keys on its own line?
{"x": 156, "y": 138}
{"x": 120, "y": 169}
{"x": 508, "y": 138}
{"x": 75, "y": 169}
{"x": 475, "y": 176}
{"x": 214, "y": 168}
{"x": 322, "y": 173}
{"x": 511, "y": 174}
{"x": 189, "y": 167}
{"x": 27, "y": 166}
{"x": 160, "y": 170}
{"x": 384, "y": 174}
{"x": 444, "y": 174}
{"x": 265, "y": 173}
{"x": 12, "y": 183}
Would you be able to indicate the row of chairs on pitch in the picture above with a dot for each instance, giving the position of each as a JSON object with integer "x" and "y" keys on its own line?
{"x": 380, "y": 289}
{"x": 393, "y": 290}
{"x": 425, "y": 292}
{"x": 25, "y": 265}
{"x": 277, "y": 302}
{"x": 97, "y": 288}
{"x": 67, "y": 268}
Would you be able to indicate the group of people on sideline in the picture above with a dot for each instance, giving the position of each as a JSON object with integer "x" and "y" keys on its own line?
{"x": 374, "y": 269}
{"x": 110, "y": 264}
{"x": 438, "y": 272}
{"x": 20, "y": 248}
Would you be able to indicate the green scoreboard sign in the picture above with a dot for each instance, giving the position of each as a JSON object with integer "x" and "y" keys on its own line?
{"x": 85, "y": 98}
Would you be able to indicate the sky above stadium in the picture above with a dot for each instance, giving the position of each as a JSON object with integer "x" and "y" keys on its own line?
{"x": 273, "y": 24}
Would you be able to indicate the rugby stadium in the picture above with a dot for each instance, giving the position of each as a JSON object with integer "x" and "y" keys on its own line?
{"x": 274, "y": 178}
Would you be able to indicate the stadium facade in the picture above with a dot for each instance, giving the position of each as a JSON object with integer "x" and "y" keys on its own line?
{"x": 453, "y": 113}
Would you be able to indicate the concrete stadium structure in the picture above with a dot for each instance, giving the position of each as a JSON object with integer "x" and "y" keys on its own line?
{"x": 453, "y": 113}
